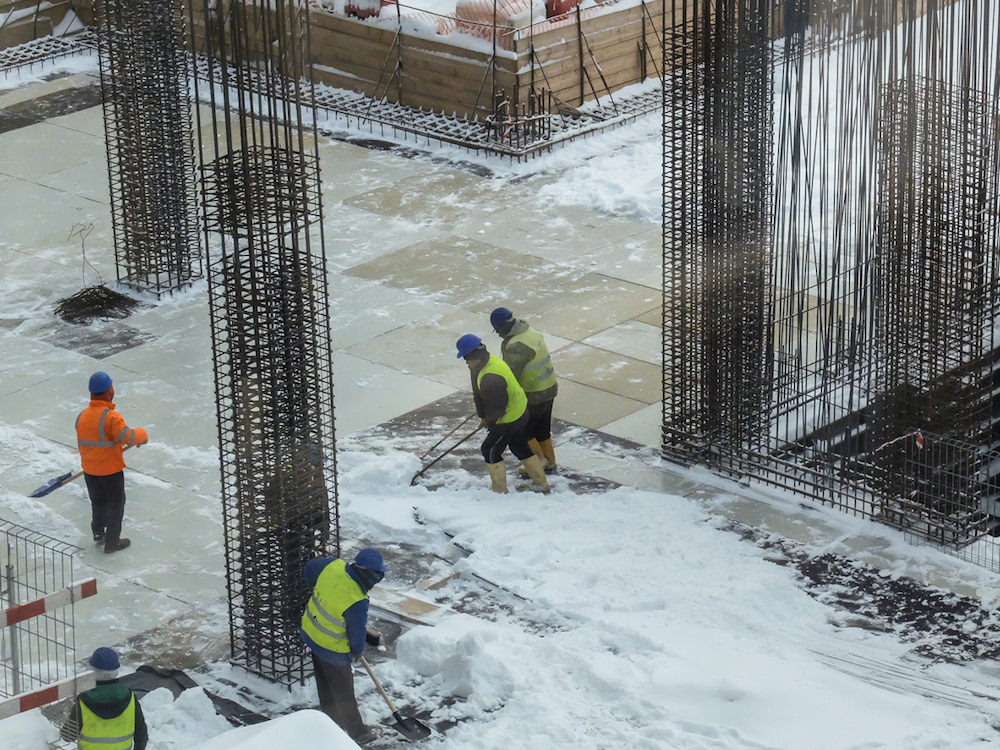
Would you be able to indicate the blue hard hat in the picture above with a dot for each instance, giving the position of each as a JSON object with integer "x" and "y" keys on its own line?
{"x": 105, "y": 659}
{"x": 371, "y": 559}
{"x": 467, "y": 344}
{"x": 500, "y": 316}
{"x": 100, "y": 382}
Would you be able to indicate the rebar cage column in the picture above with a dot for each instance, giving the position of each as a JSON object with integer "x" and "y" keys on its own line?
{"x": 717, "y": 255}
{"x": 148, "y": 127}
{"x": 270, "y": 323}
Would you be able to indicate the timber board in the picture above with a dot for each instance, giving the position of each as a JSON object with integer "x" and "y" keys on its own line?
{"x": 464, "y": 96}
{"x": 321, "y": 22}
{"x": 460, "y": 69}
{"x": 443, "y": 48}
{"x": 371, "y": 57}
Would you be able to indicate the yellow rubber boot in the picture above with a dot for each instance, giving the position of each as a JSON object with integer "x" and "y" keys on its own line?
{"x": 534, "y": 468}
{"x": 536, "y": 448}
{"x": 550, "y": 456}
{"x": 498, "y": 473}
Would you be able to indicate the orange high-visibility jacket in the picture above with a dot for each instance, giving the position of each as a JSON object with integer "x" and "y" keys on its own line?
{"x": 102, "y": 434}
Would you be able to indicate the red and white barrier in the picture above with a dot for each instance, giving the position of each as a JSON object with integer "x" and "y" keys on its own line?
{"x": 64, "y": 689}
{"x": 41, "y": 605}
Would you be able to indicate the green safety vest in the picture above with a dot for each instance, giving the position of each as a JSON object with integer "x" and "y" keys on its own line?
{"x": 517, "y": 402}
{"x": 335, "y": 591}
{"x": 538, "y": 374}
{"x": 107, "y": 734}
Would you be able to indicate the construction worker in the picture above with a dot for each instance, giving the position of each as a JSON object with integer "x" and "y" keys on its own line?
{"x": 102, "y": 435}
{"x": 334, "y": 626}
{"x": 107, "y": 717}
{"x": 503, "y": 408}
{"x": 524, "y": 351}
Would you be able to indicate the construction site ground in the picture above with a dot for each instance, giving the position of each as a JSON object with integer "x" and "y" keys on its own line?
{"x": 420, "y": 250}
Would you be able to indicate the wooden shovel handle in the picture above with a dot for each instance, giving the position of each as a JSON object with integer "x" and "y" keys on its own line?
{"x": 378, "y": 684}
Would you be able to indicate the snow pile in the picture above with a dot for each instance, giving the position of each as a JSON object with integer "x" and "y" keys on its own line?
{"x": 303, "y": 729}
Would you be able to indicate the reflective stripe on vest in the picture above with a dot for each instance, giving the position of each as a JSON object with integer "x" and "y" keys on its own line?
{"x": 335, "y": 591}
{"x": 538, "y": 374}
{"x": 517, "y": 402}
{"x": 107, "y": 734}
{"x": 102, "y": 441}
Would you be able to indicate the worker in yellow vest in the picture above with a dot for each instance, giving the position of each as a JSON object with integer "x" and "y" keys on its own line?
{"x": 527, "y": 356}
{"x": 107, "y": 717}
{"x": 503, "y": 408}
{"x": 334, "y": 626}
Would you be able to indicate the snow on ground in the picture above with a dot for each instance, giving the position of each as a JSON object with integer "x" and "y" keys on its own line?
{"x": 647, "y": 626}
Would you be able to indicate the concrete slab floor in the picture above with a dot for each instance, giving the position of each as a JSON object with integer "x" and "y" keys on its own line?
{"x": 419, "y": 253}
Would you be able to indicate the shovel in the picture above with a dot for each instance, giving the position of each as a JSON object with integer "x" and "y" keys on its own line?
{"x": 57, "y": 482}
{"x": 406, "y": 726}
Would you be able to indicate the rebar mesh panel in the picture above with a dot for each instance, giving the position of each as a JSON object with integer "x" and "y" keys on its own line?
{"x": 41, "y": 650}
{"x": 885, "y": 264}
{"x": 148, "y": 127}
{"x": 270, "y": 325}
{"x": 717, "y": 254}
{"x": 935, "y": 270}
{"x": 940, "y": 489}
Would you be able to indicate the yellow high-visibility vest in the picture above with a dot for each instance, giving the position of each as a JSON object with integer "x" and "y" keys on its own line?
{"x": 107, "y": 734}
{"x": 517, "y": 402}
{"x": 323, "y": 621}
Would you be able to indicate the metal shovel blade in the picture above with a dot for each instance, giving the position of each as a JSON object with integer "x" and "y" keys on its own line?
{"x": 52, "y": 484}
{"x": 410, "y": 727}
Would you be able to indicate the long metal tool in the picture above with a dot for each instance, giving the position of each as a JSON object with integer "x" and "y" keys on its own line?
{"x": 421, "y": 472}
{"x": 405, "y": 725}
{"x": 431, "y": 449}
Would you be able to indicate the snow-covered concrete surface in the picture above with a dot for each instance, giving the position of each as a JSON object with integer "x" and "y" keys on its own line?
{"x": 619, "y": 618}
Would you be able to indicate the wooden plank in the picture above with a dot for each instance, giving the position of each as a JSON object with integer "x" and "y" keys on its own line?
{"x": 445, "y": 91}
{"x": 321, "y": 21}
{"x": 435, "y": 65}
{"x": 358, "y": 46}
{"x": 372, "y": 57}
{"x": 350, "y": 83}
{"x": 443, "y": 47}
{"x": 365, "y": 72}
{"x": 26, "y": 30}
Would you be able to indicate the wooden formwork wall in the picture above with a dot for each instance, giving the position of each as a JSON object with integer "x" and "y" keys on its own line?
{"x": 586, "y": 58}
{"x": 403, "y": 68}
{"x": 30, "y": 19}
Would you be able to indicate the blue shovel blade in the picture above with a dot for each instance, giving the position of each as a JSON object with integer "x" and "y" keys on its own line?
{"x": 50, "y": 485}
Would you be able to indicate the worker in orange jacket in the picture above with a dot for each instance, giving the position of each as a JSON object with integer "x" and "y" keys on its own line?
{"x": 102, "y": 436}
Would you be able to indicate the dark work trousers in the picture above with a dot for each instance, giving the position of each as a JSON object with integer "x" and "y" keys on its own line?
{"x": 335, "y": 685}
{"x": 539, "y": 421}
{"x": 107, "y": 504}
{"x": 502, "y": 435}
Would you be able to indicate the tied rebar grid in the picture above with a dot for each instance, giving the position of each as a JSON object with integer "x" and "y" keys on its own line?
{"x": 942, "y": 489}
{"x": 41, "y": 650}
{"x": 270, "y": 324}
{"x": 934, "y": 307}
{"x": 717, "y": 255}
{"x": 885, "y": 243}
{"x": 148, "y": 126}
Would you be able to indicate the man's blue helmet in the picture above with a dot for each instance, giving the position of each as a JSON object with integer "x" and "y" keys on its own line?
{"x": 500, "y": 316}
{"x": 370, "y": 559}
{"x": 105, "y": 659}
{"x": 100, "y": 382}
{"x": 467, "y": 344}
